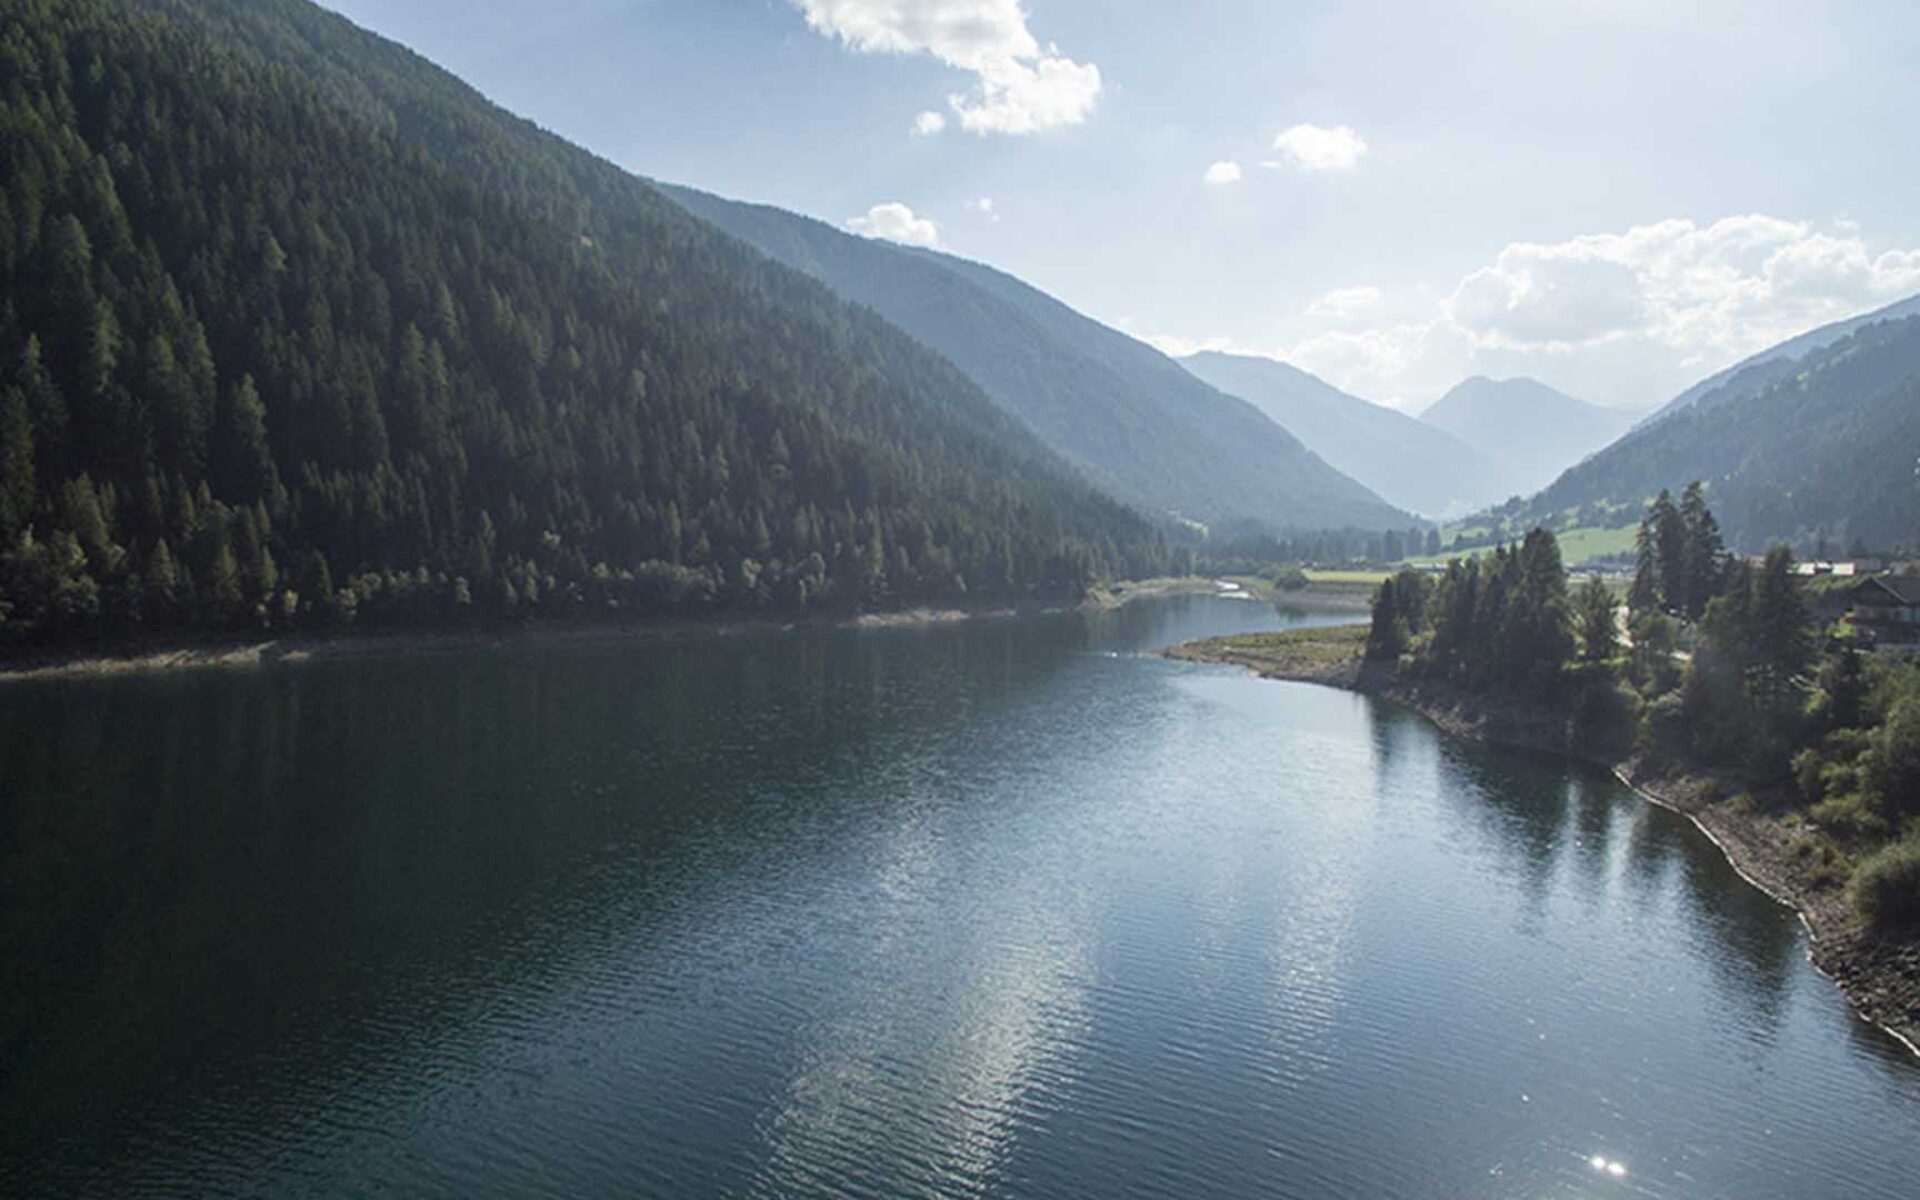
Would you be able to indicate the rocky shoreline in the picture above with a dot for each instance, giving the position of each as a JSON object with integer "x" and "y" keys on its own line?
{"x": 1880, "y": 976}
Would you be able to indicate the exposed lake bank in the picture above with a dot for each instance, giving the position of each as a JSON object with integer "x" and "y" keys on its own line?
{"x": 254, "y": 650}
{"x": 1761, "y": 837}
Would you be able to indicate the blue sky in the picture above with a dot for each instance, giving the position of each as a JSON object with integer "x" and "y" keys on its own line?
{"x": 1617, "y": 196}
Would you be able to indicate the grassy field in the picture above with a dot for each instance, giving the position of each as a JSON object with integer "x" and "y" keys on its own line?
{"x": 1323, "y": 644}
{"x": 1367, "y": 579}
{"x": 1325, "y": 654}
{"x": 1577, "y": 546}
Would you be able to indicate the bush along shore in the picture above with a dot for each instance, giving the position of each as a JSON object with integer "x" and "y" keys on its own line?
{"x": 1712, "y": 692}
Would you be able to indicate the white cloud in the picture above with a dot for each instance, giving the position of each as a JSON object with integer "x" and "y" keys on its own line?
{"x": 984, "y": 206}
{"x": 1624, "y": 318}
{"x": 1346, "y": 302}
{"x": 895, "y": 222}
{"x": 1627, "y": 318}
{"x": 1710, "y": 292}
{"x": 1317, "y": 148}
{"x": 1223, "y": 172}
{"x": 1375, "y": 363}
{"x": 1015, "y": 97}
{"x": 929, "y": 123}
{"x": 1019, "y": 86}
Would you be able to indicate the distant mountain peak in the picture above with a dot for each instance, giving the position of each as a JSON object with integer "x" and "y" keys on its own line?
{"x": 1415, "y": 466}
{"x": 1534, "y": 428}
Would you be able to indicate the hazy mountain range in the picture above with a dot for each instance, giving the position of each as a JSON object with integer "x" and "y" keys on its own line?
{"x": 1408, "y": 462}
{"x": 1140, "y": 427}
{"x": 1531, "y": 430}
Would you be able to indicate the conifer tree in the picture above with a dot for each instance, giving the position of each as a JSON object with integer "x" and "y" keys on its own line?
{"x": 17, "y": 488}
{"x": 1703, "y": 554}
{"x": 1599, "y": 629}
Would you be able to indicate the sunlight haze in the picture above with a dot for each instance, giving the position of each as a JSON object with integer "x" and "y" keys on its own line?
{"x": 1616, "y": 198}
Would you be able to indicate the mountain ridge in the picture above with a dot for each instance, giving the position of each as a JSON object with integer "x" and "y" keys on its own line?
{"x": 1408, "y": 463}
{"x": 1758, "y": 370}
{"x": 1132, "y": 418}
{"x": 1820, "y": 452}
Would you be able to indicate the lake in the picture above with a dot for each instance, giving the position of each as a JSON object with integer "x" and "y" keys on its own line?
{"x": 1006, "y": 909}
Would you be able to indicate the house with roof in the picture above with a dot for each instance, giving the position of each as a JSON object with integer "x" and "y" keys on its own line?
{"x": 1886, "y": 610}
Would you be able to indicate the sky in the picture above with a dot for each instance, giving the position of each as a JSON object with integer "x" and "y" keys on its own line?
{"x": 1617, "y": 197}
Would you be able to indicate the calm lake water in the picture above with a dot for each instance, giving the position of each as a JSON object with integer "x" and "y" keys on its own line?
{"x": 999, "y": 909}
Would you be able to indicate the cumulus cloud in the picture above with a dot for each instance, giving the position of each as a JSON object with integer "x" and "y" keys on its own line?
{"x": 984, "y": 206}
{"x": 1019, "y": 86}
{"x": 895, "y": 222}
{"x": 1346, "y": 302}
{"x": 1378, "y": 363}
{"x": 1627, "y": 318}
{"x": 1223, "y": 172}
{"x": 1317, "y": 148}
{"x": 929, "y": 123}
{"x": 1712, "y": 292}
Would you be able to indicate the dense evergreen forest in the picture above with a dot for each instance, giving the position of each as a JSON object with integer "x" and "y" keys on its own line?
{"x": 1721, "y": 668}
{"x": 296, "y": 329}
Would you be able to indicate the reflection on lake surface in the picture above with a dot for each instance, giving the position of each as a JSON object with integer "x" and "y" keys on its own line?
{"x": 999, "y": 909}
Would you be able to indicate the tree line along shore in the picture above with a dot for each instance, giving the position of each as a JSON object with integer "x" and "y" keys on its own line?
{"x": 1713, "y": 691}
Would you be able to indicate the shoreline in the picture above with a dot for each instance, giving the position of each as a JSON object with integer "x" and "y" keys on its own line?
{"x": 242, "y": 651}
{"x": 1878, "y": 976}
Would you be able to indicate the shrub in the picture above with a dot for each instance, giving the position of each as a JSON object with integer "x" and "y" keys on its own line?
{"x": 1665, "y": 734}
{"x": 1892, "y": 765}
{"x": 1847, "y": 743}
{"x": 1289, "y": 578}
{"x": 1826, "y": 866}
{"x": 1606, "y": 715}
{"x": 1886, "y": 888}
{"x": 1851, "y": 814}
{"x": 1808, "y": 768}
{"x": 1837, "y": 777}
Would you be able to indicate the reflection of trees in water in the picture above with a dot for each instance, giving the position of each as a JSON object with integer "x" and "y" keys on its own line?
{"x": 1406, "y": 754}
{"x": 1517, "y": 804}
{"x": 1533, "y": 812}
{"x": 1654, "y": 848}
{"x": 1752, "y": 945}
{"x": 195, "y": 864}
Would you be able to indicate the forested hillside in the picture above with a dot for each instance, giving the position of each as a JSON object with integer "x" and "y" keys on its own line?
{"x": 1823, "y": 453}
{"x": 1137, "y": 423}
{"x": 1409, "y": 463}
{"x": 1756, "y": 372}
{"x": 294, "y": 327}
